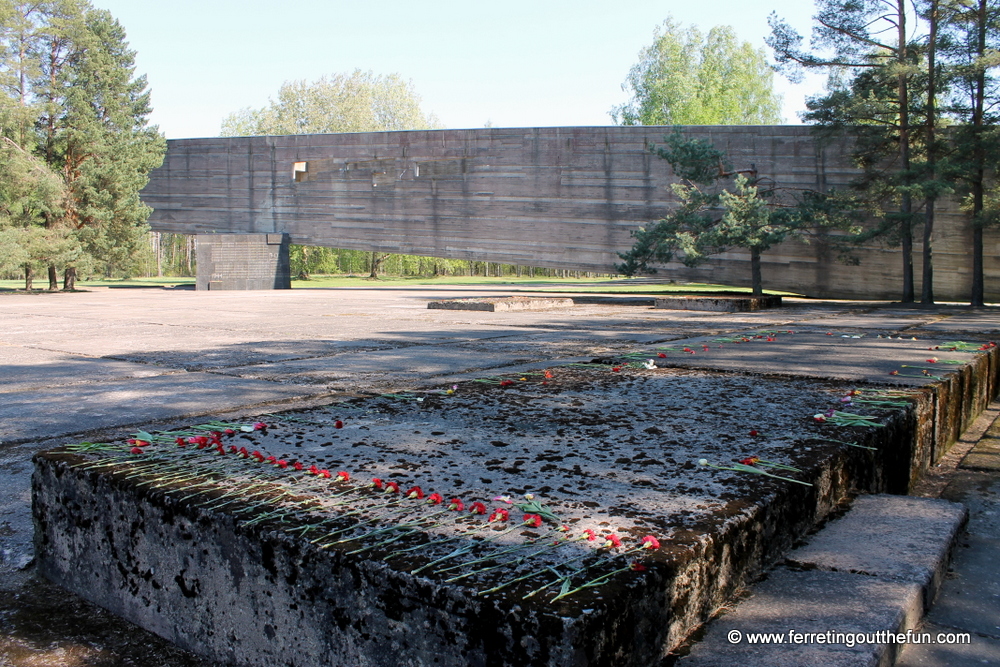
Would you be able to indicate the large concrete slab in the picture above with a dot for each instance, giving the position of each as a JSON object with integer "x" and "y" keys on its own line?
{"x": 811, "y": 353}
{"x": 613, "y": 452}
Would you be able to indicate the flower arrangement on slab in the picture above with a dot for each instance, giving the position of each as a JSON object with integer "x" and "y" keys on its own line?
{"x": 204, "y": 467}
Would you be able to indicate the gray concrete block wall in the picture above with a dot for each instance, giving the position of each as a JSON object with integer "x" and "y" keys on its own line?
{"x": 561, "y": 197}
{"x": 243, "y": 262}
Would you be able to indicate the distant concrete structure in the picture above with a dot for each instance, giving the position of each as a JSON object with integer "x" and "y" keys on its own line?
{"x": 243, "y": 261}
{"x": 560, "y": 197}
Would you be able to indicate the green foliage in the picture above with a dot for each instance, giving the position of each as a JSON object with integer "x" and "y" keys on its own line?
{"x": 712, "y": 219}
{"x": 687, "y": 78}
{"x": 359, "y": 102}
{"x": 76, "y": 143}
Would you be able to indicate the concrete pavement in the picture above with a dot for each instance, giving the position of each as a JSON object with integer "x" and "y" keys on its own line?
{"x": 92, "y": 365}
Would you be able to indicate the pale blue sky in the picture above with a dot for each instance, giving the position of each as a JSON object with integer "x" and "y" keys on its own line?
{"x": 518, "y": 63}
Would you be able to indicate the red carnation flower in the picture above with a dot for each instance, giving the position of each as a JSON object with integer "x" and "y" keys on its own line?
{"x": 613, "y": 541}
{"x": 499, "y": 515}
{"x": 343, "y": 476}
{"x": 180, "y": 442}
{"x": 298, "y": 466}
{"x": 456, "y": 505}
{"x": 135, "y": 450}
{"x": 259, "y": 426}
{"x": 661, "y": 355}
{"x": 233, "y": 449}
{"x": 650, "y": 542}
{"x": 338, "y": 424}
{"x": 753, "y": 432}
{"x": 477, "y": 508}
{"x": 532, "y": 520}
{"x": 506, "y": 383}
{"x": 230, "y": 431}
{"x": 376, "y": 482}
{"x": 324, "y": 473}
{"x": 636, "y": 566}
{"x": 313, "y": 470}
{"x": 415, "y": 492}
{"x": 616, "y": 369}
{"x": 591, "y": 535}
{"x": 282, "y": 463}
{"x": 391, "y": 487}
{"x": 893, "y": 372}
{"x": 549, "y": 375}
{"x": 435, "y": 499}
{"x": 257, "y": 455}
{"x": 272, "y": 459}
{"x": 750, "y": 460}
{"x": 244, "y": 453}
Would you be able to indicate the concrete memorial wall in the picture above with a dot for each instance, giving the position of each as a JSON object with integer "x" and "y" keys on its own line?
{"x": 558, "y": 197}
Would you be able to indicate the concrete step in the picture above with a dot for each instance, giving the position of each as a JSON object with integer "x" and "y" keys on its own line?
{"x": 873, "y": 571}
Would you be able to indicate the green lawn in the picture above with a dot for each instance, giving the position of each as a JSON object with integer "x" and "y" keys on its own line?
{"x": 587, "y": 285}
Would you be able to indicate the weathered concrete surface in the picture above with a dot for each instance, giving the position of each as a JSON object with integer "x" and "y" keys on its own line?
{"x": 970, "y": 596}
{"x": 609, "y": 451}
{"x": 502, "y": 304}
{"x": 562, "y": 197}
{"x": 812, "y": 602}
{"x": 892, "y": 537}
{"x": 986, "y": 454}
{"x": 167, "y": 331}
{"x": 135, "y": 401}
{"x": 243, "y": 262}
{"x": 727, "y": 304}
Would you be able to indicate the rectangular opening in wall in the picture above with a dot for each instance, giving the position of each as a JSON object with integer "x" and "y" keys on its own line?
{"x": 299, "y": 171}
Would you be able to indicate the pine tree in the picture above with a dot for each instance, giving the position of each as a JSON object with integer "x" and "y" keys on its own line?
{"x": 69, "y": 73}
{"x": 866, "y": 45}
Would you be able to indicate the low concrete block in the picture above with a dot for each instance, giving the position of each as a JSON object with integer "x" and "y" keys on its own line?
{"x": 726, "y": 304}
{"x": 892, "y": 537}
{"x": 502, "y": 304}
{"x": 218, "y": 552}
{"x": 814, "y": 618}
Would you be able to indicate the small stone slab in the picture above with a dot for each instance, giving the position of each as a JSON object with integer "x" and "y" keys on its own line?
{"x": 986, "y": 454}
{"x": 502, "y": 304}
{"x": 892, "y": 537}
{"x": 729, "y": 303}
{"x": 812, "y": 602}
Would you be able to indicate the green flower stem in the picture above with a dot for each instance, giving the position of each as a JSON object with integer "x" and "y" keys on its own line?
{"x": 517, "y": 561}
{"x": 844, "y": 442}
{"x": 778, "y": 466}
{"x": 740, "y": 467}
{"x": 599, "y": 581}
{"x": 506, "y": 550}
{"x": 406, "y": 524}
{"x": 467, "y": 548}
{"x": 565, "y": 579}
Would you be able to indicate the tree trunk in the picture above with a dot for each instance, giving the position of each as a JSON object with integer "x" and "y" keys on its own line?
{"x": 28, "y": 277}
{"x": 978, "y": 297}
{"x": 69, "y": 279}
{"x": 906, "y": 231}
{"x": 927, "y": 278}
{"x": 53, "y": 278}
{"x": 376, "y": 263}
{"x": 755, "y": 280}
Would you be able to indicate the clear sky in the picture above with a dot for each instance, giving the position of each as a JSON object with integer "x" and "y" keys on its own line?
{"x": 518, "y": 63}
